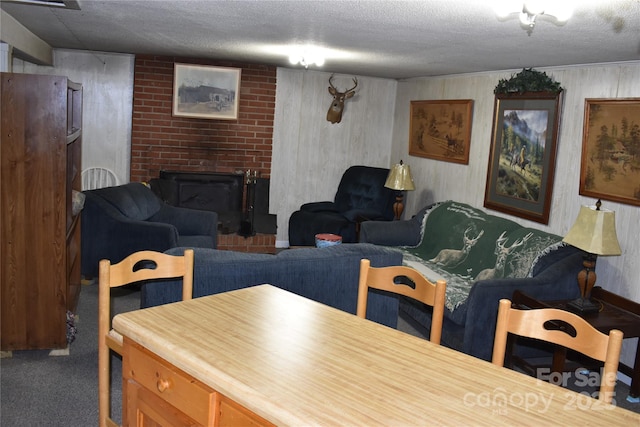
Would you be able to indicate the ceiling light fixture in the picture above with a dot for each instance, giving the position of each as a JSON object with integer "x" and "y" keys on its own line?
{"x": 307, "y": 57}
{"x": 531, "y": 9}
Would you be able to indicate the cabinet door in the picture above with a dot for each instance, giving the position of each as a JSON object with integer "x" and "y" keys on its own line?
{"x": 33, "y": 166}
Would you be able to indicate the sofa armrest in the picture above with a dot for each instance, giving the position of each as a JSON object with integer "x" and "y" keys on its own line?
{"x": 391, "y": 233}
{"x": 108, "y": 234}
{"x": 556, "y": 282}
{"x": 320, "y": 207}
{"x": 362, "y": 215}
{"x": 395, "y": 233}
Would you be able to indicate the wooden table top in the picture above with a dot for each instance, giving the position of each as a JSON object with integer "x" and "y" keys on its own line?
{"x": 296, "y": 362}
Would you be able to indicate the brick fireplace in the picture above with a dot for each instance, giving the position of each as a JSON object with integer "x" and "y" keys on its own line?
{"x": 160, "y": 141}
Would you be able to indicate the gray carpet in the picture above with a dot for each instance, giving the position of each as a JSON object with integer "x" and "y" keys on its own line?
{"x": 41, "y": 390}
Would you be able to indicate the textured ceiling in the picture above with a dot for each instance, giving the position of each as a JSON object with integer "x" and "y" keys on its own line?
{"x": 392, "y": 39}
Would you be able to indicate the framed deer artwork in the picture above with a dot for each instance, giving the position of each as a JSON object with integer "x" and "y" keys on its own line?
{"x": 441, "y": 129}
{"x": 523, "y": 153}
{"x": 610, "y": 166}
{"x": 206, "y": 92}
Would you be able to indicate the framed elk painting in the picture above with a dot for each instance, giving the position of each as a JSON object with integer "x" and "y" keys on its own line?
{"x": 610, "y": 164}
{"x": 206, "y": 92}
{"x": 523, "y": 153}
{"x": 441, "y": 129}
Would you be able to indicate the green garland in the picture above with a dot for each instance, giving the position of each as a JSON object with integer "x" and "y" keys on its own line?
{"x": 528, "y": 80}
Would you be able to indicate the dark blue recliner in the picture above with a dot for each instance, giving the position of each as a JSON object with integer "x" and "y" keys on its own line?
{"x": 118, "y": 221}
{"x": 361, "y": 196}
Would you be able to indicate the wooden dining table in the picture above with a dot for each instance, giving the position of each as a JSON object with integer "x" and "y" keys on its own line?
{"x": 292, "y": 361}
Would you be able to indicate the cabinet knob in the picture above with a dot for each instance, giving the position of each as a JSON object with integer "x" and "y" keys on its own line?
{"x": 163, "y": 384}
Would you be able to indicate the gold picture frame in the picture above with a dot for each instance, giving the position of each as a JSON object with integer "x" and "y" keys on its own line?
{"x": 610, "y": 162}
{"x": 441, "y": 129}
{"x": 206, "y": 92}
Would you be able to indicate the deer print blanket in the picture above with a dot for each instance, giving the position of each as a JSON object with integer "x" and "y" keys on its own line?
{"x": 462, "y": 245}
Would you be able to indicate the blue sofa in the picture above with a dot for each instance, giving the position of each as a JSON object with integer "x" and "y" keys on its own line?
{"x": 483, "y": 258}
{"x": 120, "y": 220}
{"x": 328, "y": 275}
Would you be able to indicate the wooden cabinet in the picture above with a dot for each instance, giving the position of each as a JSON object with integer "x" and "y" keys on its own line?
{"x": 41, "y": 150}
{"x": 156, "y": 393}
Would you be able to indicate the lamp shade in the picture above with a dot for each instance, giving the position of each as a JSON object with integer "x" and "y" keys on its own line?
{"x": 594, "y": 232}
{"x": 400, "y": 178}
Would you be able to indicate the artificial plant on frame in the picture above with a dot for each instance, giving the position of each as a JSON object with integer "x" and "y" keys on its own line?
{"x": 528, "y": 80}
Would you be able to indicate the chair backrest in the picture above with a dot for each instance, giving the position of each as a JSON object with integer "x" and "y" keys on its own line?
{"x": 562, "y": 328}
{"x": 93, "y": 178}
{"x": 362, "y": 188}
{"x": 139, "y": 266}
{"x": 134, "y": 200}
{"x": 405, "y": 281}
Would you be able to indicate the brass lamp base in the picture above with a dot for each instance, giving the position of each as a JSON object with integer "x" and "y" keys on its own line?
{"x": 583, "y": 306}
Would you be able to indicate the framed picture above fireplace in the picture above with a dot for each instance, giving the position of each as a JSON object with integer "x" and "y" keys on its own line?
{"x": 206, "y": 92}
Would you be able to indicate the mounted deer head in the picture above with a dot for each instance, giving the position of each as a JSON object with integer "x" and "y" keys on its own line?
{"x": 334, "y": 115}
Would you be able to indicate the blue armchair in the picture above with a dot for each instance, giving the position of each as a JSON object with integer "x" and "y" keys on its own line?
{"x": 361, "y": 196}
{"x": 120, "y": 220}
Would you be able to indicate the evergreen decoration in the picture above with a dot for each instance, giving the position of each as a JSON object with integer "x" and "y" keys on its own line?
{"x": 528, "y": 80}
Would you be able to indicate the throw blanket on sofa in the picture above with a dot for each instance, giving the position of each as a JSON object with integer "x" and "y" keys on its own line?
{"x": 462, "y": 244}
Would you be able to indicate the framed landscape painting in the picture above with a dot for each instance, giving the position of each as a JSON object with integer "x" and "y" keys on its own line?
{"x": 523, "y": 153}
{"x": 206, "y": 92}
{"x": 610, "y": 163}
{"x": 441, "y": 129}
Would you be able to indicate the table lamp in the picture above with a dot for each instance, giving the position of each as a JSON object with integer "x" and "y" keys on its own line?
{"x": 399, "y": 179}
{"x": 594, "y": 232}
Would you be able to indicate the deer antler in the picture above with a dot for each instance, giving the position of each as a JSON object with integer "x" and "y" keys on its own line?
{"x": 355, "y": 81}
{"x": 501, "y": 241}
{"x": 472, "y": 240}
{"x": 331, "y": 84}
{"x": 522, "y": 241}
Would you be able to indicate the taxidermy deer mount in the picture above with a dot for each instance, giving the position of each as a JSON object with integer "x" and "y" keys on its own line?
{"x": 334, "y": 115}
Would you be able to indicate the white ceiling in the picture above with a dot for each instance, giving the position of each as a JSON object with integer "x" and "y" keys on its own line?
{"x": 391, "y": 39}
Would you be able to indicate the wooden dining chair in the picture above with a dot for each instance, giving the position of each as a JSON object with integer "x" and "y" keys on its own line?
{"x": 139, "y": 266}
{"x": 405, "y": 281}
{"x": 563, "y": 328}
